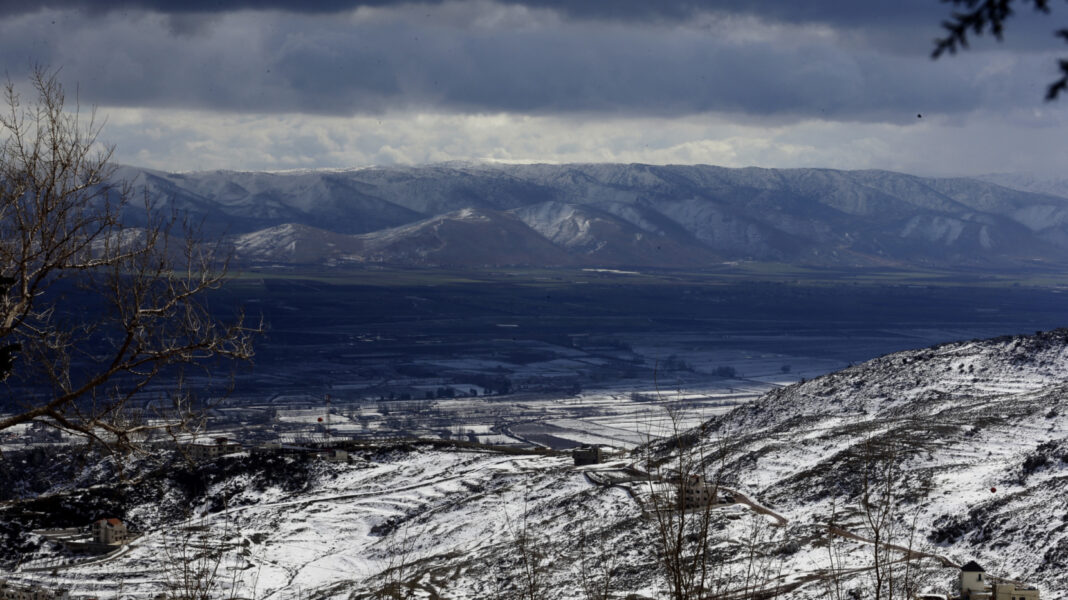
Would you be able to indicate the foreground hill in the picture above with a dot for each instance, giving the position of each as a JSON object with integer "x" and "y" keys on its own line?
{"x": 622, "y": 214}
{"x": 963, "y": 444}
{"x": 976, "y": 431}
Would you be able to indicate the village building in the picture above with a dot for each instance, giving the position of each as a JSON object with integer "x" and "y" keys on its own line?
{"x": 110, "y": 532}
{"x": 209, "y": 451}
{"x": 977, "y": 584}
{"x": 333, "y": 455}
{"x": 587, "y": 455}
{"x": 695, "y": 492}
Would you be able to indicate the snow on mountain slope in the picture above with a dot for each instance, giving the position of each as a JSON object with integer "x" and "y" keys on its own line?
{"x": 808, "y": 216}
{"x": 563, "y": 224}
{"x": 960, "y": 420}
{"x": 463, "y": 238}
{"x": 443, "y": 522}
{"x": 295, "y": 244}
{"x": 599, "y": 236}
{"x": 967, "y": 440}
{"x": 1029, "y": 182}
{"x": 246, "y": 202}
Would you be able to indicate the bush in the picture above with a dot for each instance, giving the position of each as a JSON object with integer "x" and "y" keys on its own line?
{"x": 726, "y": 371}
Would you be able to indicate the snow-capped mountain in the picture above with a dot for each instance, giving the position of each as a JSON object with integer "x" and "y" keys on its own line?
{"x": 966, "y": 444}
{"x": 1029, "y": 182}
{"x": 594, "y": 236}
{"x": 466, "y": 237}
{"x": 634, "y": 214}
{"x": 295, "y": 244}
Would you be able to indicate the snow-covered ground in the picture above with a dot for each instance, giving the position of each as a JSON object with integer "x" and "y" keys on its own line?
{"x": 967, "y": 441}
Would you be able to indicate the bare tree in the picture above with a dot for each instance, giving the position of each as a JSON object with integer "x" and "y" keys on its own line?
{"x": 684, "y": 519}
{"x": 598, "y": 559}
{"x": 835, "y": 560}
{"x": 96, "y": 309}
{"x": 896, "y": 570}
{"x": 400, "y": 565}
{"x": 979, "y": 16}
{"x": 760, "y": 573}
{"x": 7, "y": 351}
{"x": 878, "y": 510}
{"x": 196, "y": 560}
{"x": 533, "y": 553}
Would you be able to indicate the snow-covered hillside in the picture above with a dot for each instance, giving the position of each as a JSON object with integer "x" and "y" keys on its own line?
{"x": 641, "y": 215}
{"x": 967, "y": 442}
{"x": 979, "y": 431}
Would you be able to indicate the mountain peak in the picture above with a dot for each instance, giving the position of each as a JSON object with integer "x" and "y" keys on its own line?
{"x": 600, "y": 214}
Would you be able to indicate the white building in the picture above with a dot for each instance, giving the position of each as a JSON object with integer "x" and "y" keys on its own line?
{"x": 110, "y": 532}
{"x": 977, "y": 584}
{"x": 695, "y": 492}
{"x": 221, "y": 446}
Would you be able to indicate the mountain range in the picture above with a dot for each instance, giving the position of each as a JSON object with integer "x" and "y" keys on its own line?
{"x": 473, "y": 214}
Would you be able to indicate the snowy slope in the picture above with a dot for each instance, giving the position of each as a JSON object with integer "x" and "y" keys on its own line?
{"x": 970, "y": 438}
{"x": 295, "y": 244}
{"x": 595, "y": 236}
{"x": 606, "y": 213}
{"x": 962, "y": 419}
{"x": 467, "y": 237}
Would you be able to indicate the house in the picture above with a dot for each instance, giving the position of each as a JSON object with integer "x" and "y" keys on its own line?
{"x": 333, "y": 455}
{"x": 110, "y": 532}
{"x": 10, "y": 591}
{"x": 977, "y": 584}
{"x": 221, "y": 446}
{"x": 587, "y": 455}
{"x": 695, "y": 492}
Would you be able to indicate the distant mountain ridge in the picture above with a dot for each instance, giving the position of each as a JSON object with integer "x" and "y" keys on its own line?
{"x": 616, "y": 214}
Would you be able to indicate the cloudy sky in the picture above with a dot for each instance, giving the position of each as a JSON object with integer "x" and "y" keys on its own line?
{"x": 243, "y": 84}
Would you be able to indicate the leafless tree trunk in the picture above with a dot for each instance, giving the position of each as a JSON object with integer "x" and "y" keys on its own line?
{"x": 597, "y": 562}
{"x": 534, "y": 556}
{"x": 878, "y": 511}
{"x": 835, "y": 560}
{"x": 97, "y": 310}
{"x": 195, "y": 564}
{"x": 683, "y": 528}
{"x": 399, "y": 568}
{"x": 762, "y": 566}
{"x": 896, "y": 569}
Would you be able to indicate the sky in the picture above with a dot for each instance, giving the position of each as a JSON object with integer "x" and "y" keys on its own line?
{"x": 276, "y": 85}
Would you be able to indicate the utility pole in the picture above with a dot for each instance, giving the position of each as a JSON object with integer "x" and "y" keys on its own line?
{"x": 328, "y": 434}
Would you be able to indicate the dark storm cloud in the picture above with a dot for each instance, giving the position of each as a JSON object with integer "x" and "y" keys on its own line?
{"x": 448, "y": 59}
{"x": 830, "y": 11}
{"x": 925, "y": 14}
{"x": 917, "y": 21}
{"x": 738, "y": 82}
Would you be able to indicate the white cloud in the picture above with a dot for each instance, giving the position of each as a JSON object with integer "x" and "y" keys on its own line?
{"x": 198, "y": 140}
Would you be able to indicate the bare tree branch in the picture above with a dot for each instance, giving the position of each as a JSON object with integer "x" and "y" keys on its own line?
{"x": 981, "y": 16}
{"x": 93, "y": 311}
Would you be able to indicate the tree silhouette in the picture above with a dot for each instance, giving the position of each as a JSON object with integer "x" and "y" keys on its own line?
{"x": 97, "y": 311}
{"x": 981, "y": 16}
{"x": 7, "y": 351}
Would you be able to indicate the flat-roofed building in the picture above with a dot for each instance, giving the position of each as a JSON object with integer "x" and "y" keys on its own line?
{"x": 110, "y": 532}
